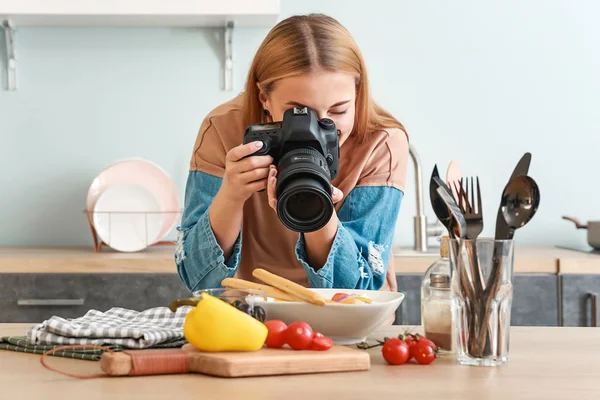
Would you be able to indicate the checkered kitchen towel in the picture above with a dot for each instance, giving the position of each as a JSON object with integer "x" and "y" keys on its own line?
{"x": 128, "y": 328}
{"x": 19, "y": 344}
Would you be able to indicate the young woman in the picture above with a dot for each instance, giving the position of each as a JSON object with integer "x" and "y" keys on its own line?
{"x": 229, "y": 224}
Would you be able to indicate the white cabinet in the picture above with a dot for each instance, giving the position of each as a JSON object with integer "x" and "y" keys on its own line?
{"x": 186, "y": 13}
{"x": 148, "y": 13}
{"x": 140, "y": 12}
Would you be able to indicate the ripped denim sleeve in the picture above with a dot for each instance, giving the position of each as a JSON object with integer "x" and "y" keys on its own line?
{"x": 201, "y": 263}
{"x": 358, "y": 258}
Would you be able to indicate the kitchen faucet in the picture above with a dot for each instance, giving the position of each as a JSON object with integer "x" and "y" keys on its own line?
{"x": 423, "y": 230}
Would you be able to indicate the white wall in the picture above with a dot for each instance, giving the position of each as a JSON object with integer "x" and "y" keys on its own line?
{"x": 480, "y": 82}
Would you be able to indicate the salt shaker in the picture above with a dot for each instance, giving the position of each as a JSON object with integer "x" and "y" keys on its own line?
{"x": 436, "y": 303}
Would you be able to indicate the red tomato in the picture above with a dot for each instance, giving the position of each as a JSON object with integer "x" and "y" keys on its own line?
{"x": 317, "y": 334}
{"x": 339, "y": 297}
{"x": 410, "y": 342}
{"x": 427, "y": 341}
{"x": 423, "y": 353}
{"x": 395, "y": 351}
{"x": 276, "y": 333}
{"x": 321, "y": 343}
{"x": 299, "y": 335}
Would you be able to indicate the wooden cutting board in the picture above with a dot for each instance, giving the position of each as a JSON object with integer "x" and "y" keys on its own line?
{"x": 264, "y": 362}
{"x": 278, "y": 361}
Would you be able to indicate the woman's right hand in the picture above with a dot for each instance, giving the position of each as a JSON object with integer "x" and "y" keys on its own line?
{"x": 245, "y": 175}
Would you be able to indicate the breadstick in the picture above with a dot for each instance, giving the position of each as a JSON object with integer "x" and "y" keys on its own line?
{"x": 288, "y": 286}
{"x": 234, "y": 283}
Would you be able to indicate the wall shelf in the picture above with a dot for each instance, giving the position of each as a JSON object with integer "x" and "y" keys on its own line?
{"x": 226, "y": 14}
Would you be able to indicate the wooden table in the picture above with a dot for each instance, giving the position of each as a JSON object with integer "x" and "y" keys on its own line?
{"x": 545, "y": 363}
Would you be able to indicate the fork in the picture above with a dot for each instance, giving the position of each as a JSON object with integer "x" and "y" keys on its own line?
{"x": 474, "y": 220}
{"x": 473, "y": 215}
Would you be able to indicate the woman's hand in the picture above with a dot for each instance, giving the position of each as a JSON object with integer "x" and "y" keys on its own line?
{"x": 245, "y": 175}
{"x": 272, "y": 194}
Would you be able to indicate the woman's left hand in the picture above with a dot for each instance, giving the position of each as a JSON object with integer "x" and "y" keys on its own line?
{"x": 336, "y": 196}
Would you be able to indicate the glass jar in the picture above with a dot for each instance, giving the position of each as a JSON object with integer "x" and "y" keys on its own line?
{"x": 436, "y": 303}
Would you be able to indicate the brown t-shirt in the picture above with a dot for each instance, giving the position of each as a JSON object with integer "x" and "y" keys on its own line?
{"x": 266, "y": 242}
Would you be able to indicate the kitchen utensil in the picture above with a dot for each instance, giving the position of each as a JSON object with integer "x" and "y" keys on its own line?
{"x": 473, "y": 213}
{"x": 466, "y": 275}
{"x": 593, "y": 228}
{"x": 264, "y": 362}
{"x": 520, "y": 202}
{"x": 456, "y": 223}
{"x": 346, "y": 324}
{"x": 127, "y": 218}
{"x": 453, "y": 177}
{"x": 146, "y": 174}
{"x": 439, "y": 207}
{"x": 474, "y": 220}
{"x": 522, "y": 168}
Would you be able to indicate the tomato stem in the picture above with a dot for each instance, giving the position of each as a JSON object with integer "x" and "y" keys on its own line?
{"x": 366, "y": 346}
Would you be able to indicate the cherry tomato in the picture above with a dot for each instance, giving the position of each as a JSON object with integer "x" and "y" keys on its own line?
{"x": 276, "y": 333}
{"x": 427, "y": 341}
{"x": 299, "y": 335}
{"x": 395, "y": 351}
{"x": 410, "y": 341}
{"x": 321, "y": 343}
{"x": 423, "y": 353}
{"x": 317, "y": 334}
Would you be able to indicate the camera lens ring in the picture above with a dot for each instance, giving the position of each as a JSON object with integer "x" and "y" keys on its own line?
{"x": 302, "y": 160}
{"x": 289, "y": 218}
{"x": 303, "y": 190}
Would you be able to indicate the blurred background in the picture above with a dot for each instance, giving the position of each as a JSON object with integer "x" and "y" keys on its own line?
{"x": 477, "y": 82}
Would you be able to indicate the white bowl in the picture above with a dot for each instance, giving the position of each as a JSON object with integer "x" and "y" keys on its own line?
{"x": 346, "y": 324}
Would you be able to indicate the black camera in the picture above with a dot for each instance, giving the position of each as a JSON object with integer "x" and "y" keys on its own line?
{"x": 306, "y": 152}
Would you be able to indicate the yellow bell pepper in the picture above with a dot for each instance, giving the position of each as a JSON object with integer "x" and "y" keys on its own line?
{"x": 214, "y": 325}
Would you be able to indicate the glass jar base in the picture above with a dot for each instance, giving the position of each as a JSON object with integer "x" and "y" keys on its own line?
{"x": 482, "y": 362}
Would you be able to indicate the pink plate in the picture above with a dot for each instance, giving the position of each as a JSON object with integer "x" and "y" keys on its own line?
{"x": 146, "y": 174}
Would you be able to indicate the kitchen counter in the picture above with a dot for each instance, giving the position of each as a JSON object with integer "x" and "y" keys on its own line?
{"x": 158, "y": 259}
{"x": 542, "y": 365}
{"x": 529, "y": 260}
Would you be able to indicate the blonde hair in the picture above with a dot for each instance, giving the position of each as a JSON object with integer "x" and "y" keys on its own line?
{"x": 307, "y": 44}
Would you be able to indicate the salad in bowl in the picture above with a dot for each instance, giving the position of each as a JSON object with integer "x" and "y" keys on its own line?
{"x": 347, "y": 316}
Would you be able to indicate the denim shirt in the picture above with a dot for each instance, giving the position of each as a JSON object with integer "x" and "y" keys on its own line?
{"x": 358, "y": 257}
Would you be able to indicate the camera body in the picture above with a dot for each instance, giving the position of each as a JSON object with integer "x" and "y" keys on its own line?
{"x": 300, "y": 128}
{"x": 306, "y": 151}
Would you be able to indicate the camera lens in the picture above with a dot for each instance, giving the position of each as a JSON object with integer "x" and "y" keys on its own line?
{"x": 304, "y": 190}
{"x": 305, "y": 205}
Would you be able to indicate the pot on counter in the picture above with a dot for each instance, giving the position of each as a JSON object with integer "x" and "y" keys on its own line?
{"x": 593, "y": 228}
